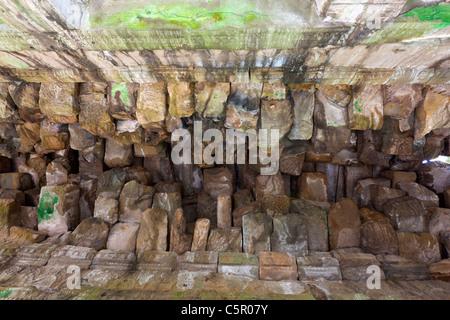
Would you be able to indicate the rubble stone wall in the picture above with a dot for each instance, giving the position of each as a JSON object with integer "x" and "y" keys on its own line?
{"x": 89, "y": 164}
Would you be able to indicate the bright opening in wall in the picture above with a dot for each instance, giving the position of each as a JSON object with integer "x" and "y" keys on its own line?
{"x": 440, "y": 159}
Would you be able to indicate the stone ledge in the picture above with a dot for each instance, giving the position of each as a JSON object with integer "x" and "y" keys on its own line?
{"x": 150, "y": 74}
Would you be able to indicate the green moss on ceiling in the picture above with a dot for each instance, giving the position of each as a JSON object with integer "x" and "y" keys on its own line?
{"x": 439, "y": 13}
{"x": 414, "y": 24}
{"x": 179, "y": 14}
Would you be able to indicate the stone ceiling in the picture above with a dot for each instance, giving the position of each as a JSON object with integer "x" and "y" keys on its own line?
{"x": 321, "y": 41}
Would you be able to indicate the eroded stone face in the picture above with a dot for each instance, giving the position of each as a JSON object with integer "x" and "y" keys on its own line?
{"x": 331, "y": 131}
{"x": 224, "y": 217}
{"x": 114, "y": 260}
{"x": 275, "y": 205}
{"x": 407, "y": 214}
{"x": 181, "y": 99}
{"x": 253, "y": 207}
{"x": 117, "y": 155}
{"x": 428, "y": 197}
{"x": 110, "y": 183}
{"x": 366, "y": 108}
{"x": 303, "y": 110}
{"x": 440, "y": 222}
{"x": 58, "y": 101}
{"x": 419, "y": 247}
{"x": 378, "y": 238}
{"x": 394, "y": 141}
{"x": 29, "y": 133}
{"x": 151, "y": 103}
{"x": 256, "y": 231}
{"x": 434, "y": 112}
{"x": 276, "y": 114}
{"x": 240, "y": 264}
{"x": 210, "y": 99}
{"x": 218, "y": 181}
{"x": 292, "y": 163}
{"x": 122, "y": 237}
{"x": 277, "y": 266}
{"x": 319, "y": 266}
{"x": 170, "y": 202}
{"x": 225, "y": 240}
{"x": 434, "y": 175}
{"x": 179, "y": 241}
{"x": 92, "y": 233}
{"x": 58, "y": 209}
{"x": 240, "y": 119}
{"x": 316, "y": 223}
{"x": 401, "y": 268}
{"x": 441, "y": 270}
{"x": 72, "y": 255}
{"x": 344, "y": 223}
{"x": 54, "y": 136}
{"x": 94, "y": 116}
{"x": 26, "y": 98}
{"x": 122, "y": 103}
{"x": 268, "y": 185}
{"x": 313, "y": 186}
{"x": 9, "y": 215}
{"x": 107, "y": 209}
{"x": 153, "y": 232}
{"x": 200, "y": 238}
{"x": 289, "y": 234}
{"x": 354, "y": 264}
{"x": 377, "y": 196}
{"x": 134, "y": 199}
{"x": 400, "y": 102}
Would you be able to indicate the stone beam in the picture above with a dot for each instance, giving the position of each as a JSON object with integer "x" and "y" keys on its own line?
{"x": 356, "y": 11}
{"x": 323, "y": 75}
{"x": 32, "y": 16}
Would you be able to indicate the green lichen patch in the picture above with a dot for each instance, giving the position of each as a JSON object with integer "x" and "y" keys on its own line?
{"x": 414, "y": 24}
{"x": 5, "y": 293}
{"x": 357, "y": 104}
{"x": 179, "y": 14}
{"x": 46, "y": 206}
{"x": 123, "y": 92}
{"x": 439, "y": 14}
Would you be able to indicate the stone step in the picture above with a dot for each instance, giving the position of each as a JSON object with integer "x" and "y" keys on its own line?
{"x": 114, "y": 260}
{"x": 238, "y": 264}
{"x": 401, "y": 268}
{"x": 198, "y": 261}
{"x": 36, "y": 255}
{"x": 277, "y": 266}
{"x": 157, "y": 261}
{"x": 72, "y": 255}
{"x": 319, "y": 266}
{"x": 354, "y": 264}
